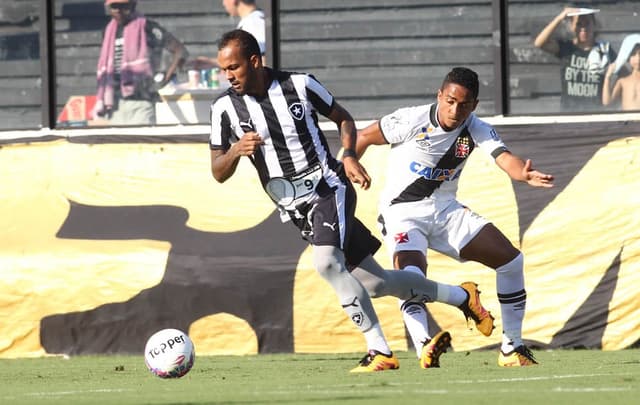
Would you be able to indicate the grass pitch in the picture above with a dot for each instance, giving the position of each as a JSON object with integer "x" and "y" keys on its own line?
{"x": 563, "y": 377}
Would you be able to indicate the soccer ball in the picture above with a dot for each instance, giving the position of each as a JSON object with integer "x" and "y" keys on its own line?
{"x": 169, "y": 353}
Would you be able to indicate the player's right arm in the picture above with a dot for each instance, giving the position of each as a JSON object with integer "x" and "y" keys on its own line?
{"x": 393, "y": 128}
{"x": 370, "y": 135}
{"x": 224, "y": 162}
{"x": 225, "y": 155}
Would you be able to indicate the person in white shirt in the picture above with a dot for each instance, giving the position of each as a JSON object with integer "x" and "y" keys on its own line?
{"x": 251, "y": 19}
{"x": 418, "y": 209}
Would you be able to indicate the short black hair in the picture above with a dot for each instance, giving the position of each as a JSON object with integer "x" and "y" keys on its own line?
{"x": 247, "y": 42}
{"x": 465, "y": 77}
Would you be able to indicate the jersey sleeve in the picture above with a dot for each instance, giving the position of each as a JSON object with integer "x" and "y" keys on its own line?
{"x": 219, "y": 138}
{"x": 400, "y": 125}
{"x": 486, "y": 137}
{"x": 157, "y": 36}
{"x": 321, "y": 99}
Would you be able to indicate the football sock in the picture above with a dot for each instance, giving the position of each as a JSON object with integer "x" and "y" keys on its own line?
{"x": 330, "y": 264}
{"x": 513, "y": 299}
{"x": 405, "y": 285}
{"x": 451, "y": 294}
{"x": 414, "y": 315}
{"x": 376, "y": 341}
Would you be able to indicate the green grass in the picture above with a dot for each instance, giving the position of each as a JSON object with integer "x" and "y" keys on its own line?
{"x": 580, "y": 377}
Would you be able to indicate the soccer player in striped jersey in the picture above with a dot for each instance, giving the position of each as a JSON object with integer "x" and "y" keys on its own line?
{"x": 418, "y": 209}
{"x": 271, "y": 117}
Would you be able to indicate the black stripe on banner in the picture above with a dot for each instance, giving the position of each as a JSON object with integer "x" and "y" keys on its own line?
{"x": 423, "y": 187}
{"x": 291, "y": 95}
{"x": 278, "y": 138}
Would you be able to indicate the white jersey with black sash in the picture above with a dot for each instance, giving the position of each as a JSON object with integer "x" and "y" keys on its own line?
{"x": 294, "y": 162}
{"x": 425, "y": 161}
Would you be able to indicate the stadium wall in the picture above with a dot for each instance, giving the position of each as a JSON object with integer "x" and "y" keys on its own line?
{"x": 109, "y": 236}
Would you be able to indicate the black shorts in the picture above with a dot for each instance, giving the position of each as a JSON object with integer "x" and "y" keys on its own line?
{"x": 331, "y": 221}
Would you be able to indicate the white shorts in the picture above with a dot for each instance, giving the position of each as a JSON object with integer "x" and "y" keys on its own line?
{"x": 445, "y": 226}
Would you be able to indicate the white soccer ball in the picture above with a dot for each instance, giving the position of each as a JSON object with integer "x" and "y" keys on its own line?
{"x": 169, "y": 353}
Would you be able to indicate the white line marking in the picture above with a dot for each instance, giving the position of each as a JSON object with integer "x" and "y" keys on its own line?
{"x": 495, "y": 380}
{"x": 602, "y": 389}
{"x": 540, "y": 378}
{"x": 61, "y": 393}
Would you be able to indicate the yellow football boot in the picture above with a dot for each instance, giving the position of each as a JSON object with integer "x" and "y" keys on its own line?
{"x": 473, "y": 309}
{"x": 431, "y": 350}
{"x": 376, "y": 361}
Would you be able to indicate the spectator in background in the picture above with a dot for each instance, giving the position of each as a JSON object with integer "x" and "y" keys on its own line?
{"x": 584, "y": 60}
{"x": 251, "y": 21}
{"x": 626, "y": 88}
{"x": 128, "y": 70}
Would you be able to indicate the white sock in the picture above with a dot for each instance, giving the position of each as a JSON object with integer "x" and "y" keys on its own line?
{"x": 376, "y": 341}
{"x": 451, "y": 294}
{"x": 415, "y": 317}
{"x": 513, "y": 300}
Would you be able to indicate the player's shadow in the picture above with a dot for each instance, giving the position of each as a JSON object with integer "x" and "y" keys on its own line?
{"x": 249, "y": 274}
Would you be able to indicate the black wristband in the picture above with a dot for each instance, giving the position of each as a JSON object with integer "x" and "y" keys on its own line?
{"x": 349, "y": 153}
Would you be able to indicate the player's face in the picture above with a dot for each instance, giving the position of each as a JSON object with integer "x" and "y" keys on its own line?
{"x": 455, "y": 103}
{"x": 242, "y": 73}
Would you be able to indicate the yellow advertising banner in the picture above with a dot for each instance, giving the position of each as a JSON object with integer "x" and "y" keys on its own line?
{"x": 105, "y": 243}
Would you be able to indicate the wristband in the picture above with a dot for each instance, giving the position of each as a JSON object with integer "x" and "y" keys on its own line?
{"x": 349, "y": 153}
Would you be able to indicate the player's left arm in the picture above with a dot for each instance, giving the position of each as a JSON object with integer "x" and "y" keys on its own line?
{"x": 523, "y": 171}
{"x": 324, "y": 102}
{"x": 347, "y": 129}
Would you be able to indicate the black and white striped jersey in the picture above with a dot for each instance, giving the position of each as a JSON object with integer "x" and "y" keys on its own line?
{"x": 426, "y": 161}
{"x": 287, "y": 121}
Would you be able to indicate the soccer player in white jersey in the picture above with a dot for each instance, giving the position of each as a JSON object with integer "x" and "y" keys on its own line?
{"x": 419, "y": 210}
{"x": 271, "y": 117}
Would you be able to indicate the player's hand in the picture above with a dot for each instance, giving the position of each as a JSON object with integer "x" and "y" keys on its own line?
{"x": 569, "y": 10}
{"x": 248, "y": 144}
{"x": 536, "y": 178}
{"x": 356, "y": 172}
